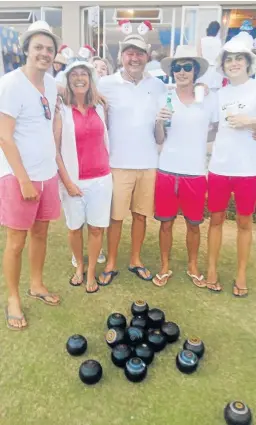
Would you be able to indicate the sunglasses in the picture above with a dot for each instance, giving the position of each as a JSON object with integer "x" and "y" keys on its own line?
{"x": 47, "y": 111}
{"x": 187, "y": 67}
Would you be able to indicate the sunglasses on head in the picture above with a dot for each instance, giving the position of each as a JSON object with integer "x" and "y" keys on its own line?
{"x": 187, "y": 67}
{"x": 47, "y": 111}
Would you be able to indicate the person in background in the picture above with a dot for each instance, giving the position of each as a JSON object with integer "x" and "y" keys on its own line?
{"x": 59, "y": 64}
{"x": 154, "y": 63}
{"x": 102, "y": 66}
{"x": 232, "y": 168}
{"x": 181, "y": 175}
{"x": 209, "y": 49}
{"x": 28, "y": 171}
{"x": 132, "y": 98}
{"x": 83, "y": 164}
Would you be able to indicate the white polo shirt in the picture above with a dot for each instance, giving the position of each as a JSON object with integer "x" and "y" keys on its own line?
{"x": 131, "y": 119}
{"x": 33, "y": 133}
{"x": 234, "y": 150}
{"x": 184, "y": 150}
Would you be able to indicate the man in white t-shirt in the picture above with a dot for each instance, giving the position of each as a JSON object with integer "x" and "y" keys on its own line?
{"x": 132, "y": 98}
{"x": 232, "y": 168}
{"x": 28, "y": 171}
{"x": 181, "y": 181}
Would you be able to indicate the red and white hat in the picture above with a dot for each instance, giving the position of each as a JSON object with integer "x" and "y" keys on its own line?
{"x": 86, "y": 52}
{"x": 144, "y": 27}
{"x": 126, "y": 26}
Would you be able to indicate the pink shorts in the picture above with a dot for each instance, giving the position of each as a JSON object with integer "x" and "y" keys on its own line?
{"x": 18, "y": 214}
{"x": 175, "y": 191}
{"x": 220, "y": 189}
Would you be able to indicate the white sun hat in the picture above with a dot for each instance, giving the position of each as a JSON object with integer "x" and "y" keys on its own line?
{"x": 134, "y": 40}
{"x": 237, "y": 45}
{"x": 39, "y": 27}
{"x": 185, "y": 52}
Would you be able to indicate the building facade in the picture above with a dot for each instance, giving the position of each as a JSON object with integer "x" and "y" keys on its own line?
{"x": 174, "y": 22}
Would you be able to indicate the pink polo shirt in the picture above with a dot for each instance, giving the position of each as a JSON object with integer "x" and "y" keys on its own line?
{"x": 92, "y": 154}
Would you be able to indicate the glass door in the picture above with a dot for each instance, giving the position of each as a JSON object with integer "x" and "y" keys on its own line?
{"x": 53, "y": 17}
{"x": 195, "y": 20}
{"x": 91, "y": 27}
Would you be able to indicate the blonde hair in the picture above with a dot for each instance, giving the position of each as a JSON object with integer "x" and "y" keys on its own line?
{"x": 105, "y": 61}
{"x": 91, "y": 96}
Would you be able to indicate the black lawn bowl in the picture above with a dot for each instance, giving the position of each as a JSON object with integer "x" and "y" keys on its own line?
{"x": 196, "y": 345}
{"x": 139, "y": 308}
{"x": 156, "y": 340}
{"x": 145, "y": 353}
{"x": 139, "y": 321}
{"x": 134, "y": 335}
{"x": 135, "y": 369}
{"x": 187, "y": 361}
{"x": 76, "y": 345}
{"x": 90, "y": 372}
{"x": 116, "y": 320}
{"x": 171, "y": 330}
{"x": 156, "y": 318}
{"x": 121, "y": 353}
{"x": 114, "y": 336}
{"x": 237, "y": 413}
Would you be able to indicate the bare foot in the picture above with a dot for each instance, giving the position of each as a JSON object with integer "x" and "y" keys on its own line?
{"x": 143, "y": 271}
{"x": 15, "y": 316}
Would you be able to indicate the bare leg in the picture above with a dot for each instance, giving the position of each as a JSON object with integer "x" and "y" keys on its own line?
{"x": 76, "y": 242}
{"x": 37, "y": 253}
{"x": 165, "y": 244}
{"x": 113, "y": 237}
{"x": 193, "y": 244}
{"x": 12, "y": 267}
{"x": 214, "y": 245}
{"x": 95, "y": 238}
{"x": 244, "y": 242}
{"x": 138, "y": 232}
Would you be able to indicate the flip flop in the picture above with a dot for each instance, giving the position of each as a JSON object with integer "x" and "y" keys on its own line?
{"x": 10, "y": 317}
{"x": 215, "y": 284}
{"x": 196, "y": 280}
{"x": 162, "y": 277}
{"x": 92, "y": 292}
{"x": 42, "y": 297}
{"x": 136, "y": 270}
{"x": 239, "y": 289}
{"x": 112, "y": 273}
{"x": 80, "y": 282}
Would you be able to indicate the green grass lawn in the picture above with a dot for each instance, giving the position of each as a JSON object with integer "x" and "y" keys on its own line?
{"x": 39, "y": 381}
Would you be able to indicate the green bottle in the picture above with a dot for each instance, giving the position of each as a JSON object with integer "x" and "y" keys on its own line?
{"x": 168, "y": 123}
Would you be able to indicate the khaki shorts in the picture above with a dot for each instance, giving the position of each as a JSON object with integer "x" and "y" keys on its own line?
{"x": 132, "y": 190}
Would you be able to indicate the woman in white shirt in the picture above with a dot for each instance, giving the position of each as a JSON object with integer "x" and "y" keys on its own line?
{"x": 232, "y": 168}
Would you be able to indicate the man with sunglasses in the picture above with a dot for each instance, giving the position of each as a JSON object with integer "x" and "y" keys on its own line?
{"x": 28, "y": 171}
{"x": 180, "y": 181}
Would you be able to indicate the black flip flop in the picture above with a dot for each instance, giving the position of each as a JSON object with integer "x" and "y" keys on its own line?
{"x": 137, "y": 271}
{"x": 239, "y": 289}
{"x": 112, "y": 273}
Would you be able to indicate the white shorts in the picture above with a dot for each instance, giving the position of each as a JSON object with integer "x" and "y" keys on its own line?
{"x": 93, "y": 207}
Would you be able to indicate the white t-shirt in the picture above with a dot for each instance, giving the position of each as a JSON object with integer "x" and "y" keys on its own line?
{"x": 211, "y": 47}
{"x": 131, "y": 119}
{"x": 185, "y": 147}
{"x": 33, "y": 133}
{"x": 234, "y": 150}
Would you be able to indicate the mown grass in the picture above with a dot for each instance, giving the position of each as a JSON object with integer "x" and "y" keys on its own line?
{"x": 39, "y": 381}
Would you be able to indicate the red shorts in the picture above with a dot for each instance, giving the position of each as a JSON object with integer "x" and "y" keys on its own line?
{"x": 175, "y": 191}
{"x": 18, "y": 214}
{"x": 220, "y": 189}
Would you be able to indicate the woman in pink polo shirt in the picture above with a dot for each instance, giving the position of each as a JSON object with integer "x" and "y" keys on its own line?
{"x": 83, "y": 162}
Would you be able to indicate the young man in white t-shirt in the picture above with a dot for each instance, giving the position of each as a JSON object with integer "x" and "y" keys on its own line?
{"x": 181, "y": 181}
{"x": 232, "y": 168}
{"x": 28, "y": 171}
{"x": 132, "y": 98}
